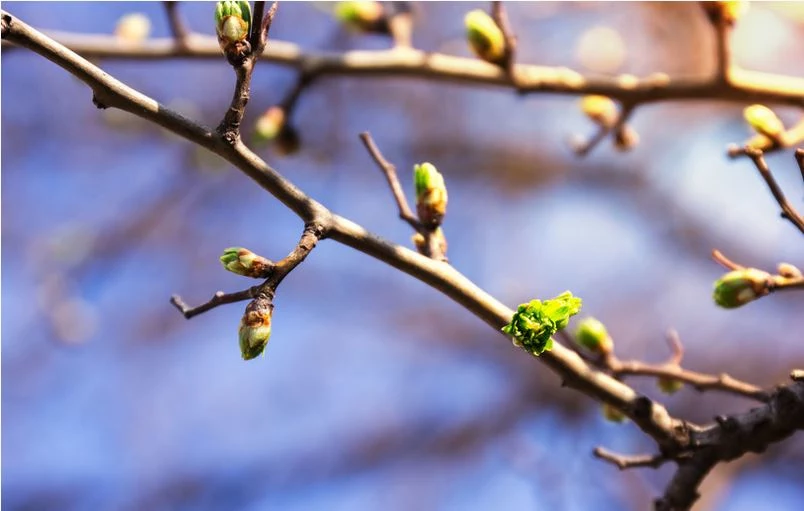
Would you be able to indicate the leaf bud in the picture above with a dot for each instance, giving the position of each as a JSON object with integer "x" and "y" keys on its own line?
{"x": 485, "y": 38}
{"x": 255, "y": 327}
{"x": 243, "y": 261}
{"x": 739, "y": 287}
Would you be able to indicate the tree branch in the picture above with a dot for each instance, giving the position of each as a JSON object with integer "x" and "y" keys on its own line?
{"x": 624, "y": 462}
{"x": 219, "y": 298}
{"x": 177, "y": 26}
{"x": 744, "y": 86}
{"x": 788, "y": 211}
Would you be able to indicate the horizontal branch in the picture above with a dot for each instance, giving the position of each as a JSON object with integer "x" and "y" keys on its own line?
{"x": 744, "y": 86}
{"x": 624, "y": 462}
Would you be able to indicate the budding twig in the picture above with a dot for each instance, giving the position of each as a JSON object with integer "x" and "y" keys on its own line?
{"x": 585, "y": 147}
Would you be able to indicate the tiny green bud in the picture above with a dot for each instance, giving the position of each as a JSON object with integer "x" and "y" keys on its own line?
{"x": 668, "y": 385}
{"x": 485, "y": 37}
{"x": 600, "y": 109}
{"x": 243, "y": 261}
{"x": 255, "y": 327}
{"x": 431, "y": 194}
{"x": 592, "y": 335}
{"x": 232, "y": 24}
{"x": 133, "y": 28}
{"x": 367, "y": 16}
{"x": 739, "y": 287}
{"x": 764, "y": 121}
{"x": 269, "y": 124}
{"x": 534, "y": 323}
{"x": 612, "y": 414}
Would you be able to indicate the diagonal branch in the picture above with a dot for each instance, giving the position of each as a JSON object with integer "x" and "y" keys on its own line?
{"x": 177, "y": 27}
{"x": 788, "y": 211}
{"x": 389, "y": 170}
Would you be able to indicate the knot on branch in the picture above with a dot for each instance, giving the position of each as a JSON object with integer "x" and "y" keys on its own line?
{"x": 6, "y": 25}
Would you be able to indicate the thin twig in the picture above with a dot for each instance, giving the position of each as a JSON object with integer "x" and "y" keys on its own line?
{"x": 177, "y": 26}
{"x": 788, "y": 211}
{"x": 219, "y": 298}
{"x": 725, "y": 262}
{"x": 624, "y": 461}
{"x": 261, "y": 38}
{"x": 800, "y": 159}
{"x": 745, "y": 87}
{"x": 389, "y": 171}
{"x": 585, "y": 147}
{"x": 500, "y": 17}
{"x": 788, "y": 138}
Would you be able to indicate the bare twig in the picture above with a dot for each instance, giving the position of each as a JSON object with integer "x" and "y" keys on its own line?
{"x": 585, "y": 147}
{"x": 788, "y": 138}
{"x": 800, "y": 160}
{"x": 724, "y": 261}
{"x": 500, "y": 17}
{"x": 177, "y": 26}
{"x": 259, "y": 37}
{"x": 624, "y": 462}
{"x": 788, "y": 211}
{"x": 389, "y": 171}
{"x": 219, "y": 298}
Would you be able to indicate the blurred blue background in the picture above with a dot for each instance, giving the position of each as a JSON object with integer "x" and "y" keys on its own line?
{"x": 376, "y": 392}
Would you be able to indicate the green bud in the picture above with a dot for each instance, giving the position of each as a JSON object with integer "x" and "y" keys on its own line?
{"x": 739, "y": 287}
{"x": 764, "y": 121}
{"x": 534, "y": 323}
{"x": 232, "y": 24}
{"x": 485, "y": 37}
{"x": 669, "y": 385}
{"x": 431, "y": 194}
{"x": 269, "y": 124}
{"x": 592, "y": 335}
{"x": 255, "y": 327}
{"x": 367, "y": 16}
{"x": 613, "y": 414}
{"x": 243, "y": 261}
{"x": 600, "y": 109}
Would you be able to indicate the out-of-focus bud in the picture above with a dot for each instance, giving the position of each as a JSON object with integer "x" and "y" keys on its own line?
{"x": 232, "y": 24}
{"x": 612, "y": 414}
{"x": 739, "y": 287}
{"x": 431, "y": 194}
{"x": 764, "y": 121}
{"x": 133, "y": 28}
{"x": 243, "y": 261}
{"x": 789, "y": 271}
{"x": 592, "y": 335}
{"x": 255, "y": 327}
{"x": 485, "y": 37}
{"x": 733, "y": 10}
{"x": 288, "y": 141}
{"x": 600, "y": 109}
{"x": 626, "y": 138}
{"x": 669, "y": 385}
{"x": 365, "y": 15}
{"x": 760, "y": 142}
{"x": 269, "y": 124}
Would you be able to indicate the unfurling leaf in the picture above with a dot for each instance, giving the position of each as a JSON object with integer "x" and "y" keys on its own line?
{"x": 534, "y": 323}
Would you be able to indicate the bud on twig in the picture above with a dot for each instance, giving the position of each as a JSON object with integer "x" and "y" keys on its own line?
{"x": 612, "y": 414}
{"x": 243, "y": 261}
{"x": 366, "y": 16}
{"x": 739, "y": 287}
{"x": 668, "y": 385}
{"x": 255, "y": 327}
{"x": 133, "y": 28}
{"x": 534, "y": 323}
{"x": 625, "y": 138}
{"x": 485, "y": 37}
{"x": 592, "y": 335}
{"x": 764, "y": 121}
{"x": 431, "y": 194}
{"x": 600, "y": 109}
{"x": 232, "y": 24}
{"x": 270, "y": 124}
{"x": 788, "y": 271}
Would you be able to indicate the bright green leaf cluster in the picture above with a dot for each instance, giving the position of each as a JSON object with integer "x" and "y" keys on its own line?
{"x": 534, "y": 323}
